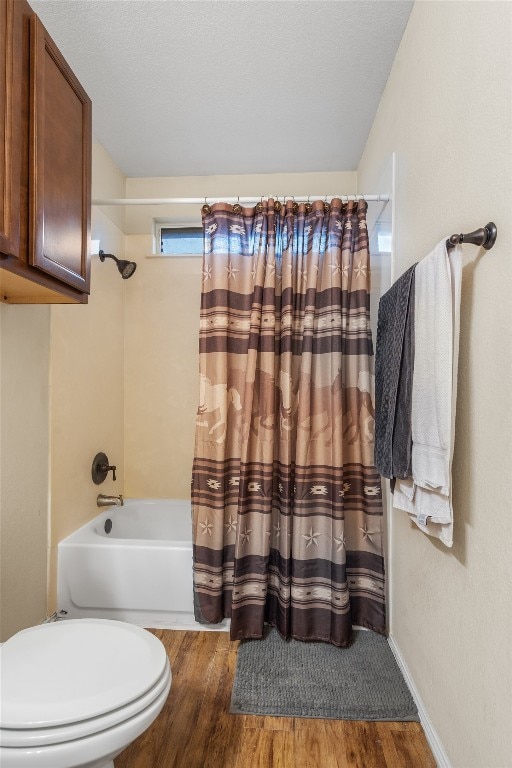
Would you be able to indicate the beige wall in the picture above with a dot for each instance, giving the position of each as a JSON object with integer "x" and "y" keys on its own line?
{"x": 24, "y": 414}
{"x": 446, "y": 113}
{"x": 162, "y": 326}
{"x": 87, "y": 369}
{"x": 108, "y": 182}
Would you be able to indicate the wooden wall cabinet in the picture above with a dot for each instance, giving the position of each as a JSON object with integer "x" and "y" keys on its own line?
{"x": 45, "y": 166}
{"x": 10, "y": 127}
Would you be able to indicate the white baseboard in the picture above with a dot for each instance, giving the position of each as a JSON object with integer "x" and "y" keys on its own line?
{"x": 431, "y": 735}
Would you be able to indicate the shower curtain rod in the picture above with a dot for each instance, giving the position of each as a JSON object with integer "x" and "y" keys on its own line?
{"x": 241, "y": 200}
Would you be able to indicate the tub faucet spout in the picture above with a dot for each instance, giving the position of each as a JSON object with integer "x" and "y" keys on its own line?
{"x": 110, "y": 501}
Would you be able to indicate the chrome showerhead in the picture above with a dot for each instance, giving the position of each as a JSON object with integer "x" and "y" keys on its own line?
{"x": 126, "y": 268}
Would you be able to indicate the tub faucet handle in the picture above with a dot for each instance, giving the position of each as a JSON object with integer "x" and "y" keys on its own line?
{"x": 106, "y": 468}
{"x": 101, "y": 468}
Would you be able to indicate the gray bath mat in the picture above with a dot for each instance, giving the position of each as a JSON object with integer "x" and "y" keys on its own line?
{"x": 290, "y": 678}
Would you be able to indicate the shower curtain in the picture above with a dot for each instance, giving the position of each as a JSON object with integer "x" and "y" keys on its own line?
{"x": 287, "y": 505}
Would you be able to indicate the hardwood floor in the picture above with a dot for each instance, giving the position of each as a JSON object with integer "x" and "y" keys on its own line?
{"x": 195, "y": 729}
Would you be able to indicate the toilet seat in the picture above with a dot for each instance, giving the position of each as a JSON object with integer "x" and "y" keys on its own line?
{"x": 39, "y": 737}
{"x": 68, "y": 680}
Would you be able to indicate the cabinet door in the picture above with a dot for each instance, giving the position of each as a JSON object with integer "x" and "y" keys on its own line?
{"x": 60, "y": 165}
{"x": 10, "y": 126}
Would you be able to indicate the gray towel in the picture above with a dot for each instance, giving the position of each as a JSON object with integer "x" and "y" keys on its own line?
{"x": 394, "y": 366}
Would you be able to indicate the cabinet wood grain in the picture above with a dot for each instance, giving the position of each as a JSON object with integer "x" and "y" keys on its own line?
{"x": 10, "y": 126}
{"x": 60, "y": 165}
{"x": 45, "y": 166}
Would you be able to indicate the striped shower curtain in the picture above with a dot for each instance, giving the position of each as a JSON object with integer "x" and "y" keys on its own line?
{"x": 287, "y": 505}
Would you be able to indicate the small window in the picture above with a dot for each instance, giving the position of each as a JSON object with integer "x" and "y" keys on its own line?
{"x": 181, "y": 241}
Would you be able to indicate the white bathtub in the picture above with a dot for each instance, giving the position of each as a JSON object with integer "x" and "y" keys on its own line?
{"x": 140, "y": 572}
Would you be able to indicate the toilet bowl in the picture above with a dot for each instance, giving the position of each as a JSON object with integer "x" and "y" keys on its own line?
{"x": 76, "y": 693}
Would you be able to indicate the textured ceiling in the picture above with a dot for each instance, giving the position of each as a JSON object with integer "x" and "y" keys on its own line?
{"x": 201, "y": 87}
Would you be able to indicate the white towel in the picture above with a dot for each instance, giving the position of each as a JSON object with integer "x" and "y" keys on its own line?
{"x": 427, "y": 495}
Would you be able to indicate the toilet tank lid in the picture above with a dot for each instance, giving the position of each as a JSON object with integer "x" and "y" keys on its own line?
{"x": 68, "y": 671}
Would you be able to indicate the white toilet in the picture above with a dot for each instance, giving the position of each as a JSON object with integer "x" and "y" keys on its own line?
{"x": 76, "y": 693}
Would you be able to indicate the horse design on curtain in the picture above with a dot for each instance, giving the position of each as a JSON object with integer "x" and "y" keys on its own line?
{"x": 287, "y": 505}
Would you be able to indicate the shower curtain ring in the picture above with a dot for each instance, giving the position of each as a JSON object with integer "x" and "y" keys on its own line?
{"x": 237, "y": 208}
